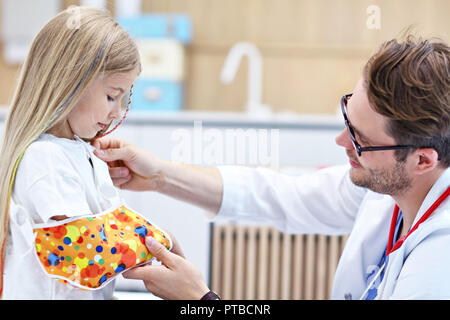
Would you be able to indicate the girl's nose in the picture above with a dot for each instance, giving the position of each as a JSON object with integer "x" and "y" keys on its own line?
{"x": 116, "y": 113}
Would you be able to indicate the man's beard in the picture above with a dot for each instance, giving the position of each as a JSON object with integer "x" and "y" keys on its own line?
{"x": 392, "y": 182}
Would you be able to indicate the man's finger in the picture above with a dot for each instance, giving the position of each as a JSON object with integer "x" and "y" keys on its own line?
{"x": 96, "y": 144}
{"x": 108, "y": 143}
{"x": 119, "y": 172}
{"x": 121, "y": 182}
{"x": 160, "y": 252}
{"x": 176, "y": 246}
{"x": 142, "y": 273}
{"x": 112, "y": 154}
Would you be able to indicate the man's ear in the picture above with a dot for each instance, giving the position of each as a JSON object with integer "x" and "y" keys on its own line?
{"x": 426, "y": 159}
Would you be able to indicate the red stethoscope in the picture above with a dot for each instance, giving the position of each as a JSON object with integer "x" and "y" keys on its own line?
{"x": 390, "y": 248}
{"x": 425, "y": 216}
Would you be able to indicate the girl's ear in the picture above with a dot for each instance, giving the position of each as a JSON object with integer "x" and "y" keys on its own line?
{"x": 426, "y": 160}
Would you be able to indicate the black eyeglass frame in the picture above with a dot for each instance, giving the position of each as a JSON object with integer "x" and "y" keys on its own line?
{"x": 360, "y": 149}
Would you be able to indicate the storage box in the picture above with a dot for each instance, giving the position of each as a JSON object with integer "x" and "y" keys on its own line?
{"x": 157, "y": 95}
{"x": 161, "y": 59}
{"x": 176, "y": 26}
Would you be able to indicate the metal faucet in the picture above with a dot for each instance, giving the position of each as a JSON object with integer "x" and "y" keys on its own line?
{"x": 254, "y": 89}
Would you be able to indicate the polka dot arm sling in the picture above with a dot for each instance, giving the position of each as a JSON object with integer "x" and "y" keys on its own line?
{"x": 90, "y": 251}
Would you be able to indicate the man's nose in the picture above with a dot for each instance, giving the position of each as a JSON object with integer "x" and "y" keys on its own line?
{"x": 343, "y": 140}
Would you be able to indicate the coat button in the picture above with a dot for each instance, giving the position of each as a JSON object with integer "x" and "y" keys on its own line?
{"x": 20, "y": 217}
{"x": 348, "y": 296}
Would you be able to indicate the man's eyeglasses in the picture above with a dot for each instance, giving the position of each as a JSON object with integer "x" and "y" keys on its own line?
{"x": 359, "y": 149}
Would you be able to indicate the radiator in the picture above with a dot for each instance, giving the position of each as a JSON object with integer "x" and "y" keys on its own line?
{"x": 251, "y": 262}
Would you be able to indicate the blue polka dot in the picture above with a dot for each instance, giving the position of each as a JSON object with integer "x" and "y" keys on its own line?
{"x": 61, "y": 248}
{"x": 141, "y": 231}
{"x": 99, "y": 249}
{"x": 67, "y": 240}
{"x": 92, "y": 236}
{"x": 103, "y": 279}
{"x": 53, "y": 259}
{"x": 113, "y": 250}
{"x": 119, "y": 268}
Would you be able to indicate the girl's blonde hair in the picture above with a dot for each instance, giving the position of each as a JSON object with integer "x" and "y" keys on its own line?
{"x": 63, "y": 60}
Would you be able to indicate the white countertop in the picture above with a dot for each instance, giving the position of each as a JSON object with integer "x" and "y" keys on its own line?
{"x": 220, "y": 118}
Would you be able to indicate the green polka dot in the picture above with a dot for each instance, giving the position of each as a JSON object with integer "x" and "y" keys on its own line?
{"x": 68, "y": 258}
{"x": 143, "y": 255}
{"x": 101, "y": 261}
{"x": 77, "y": 247}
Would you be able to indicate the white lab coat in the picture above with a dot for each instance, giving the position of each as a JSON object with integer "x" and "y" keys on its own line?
{"x": 327, "y": 202}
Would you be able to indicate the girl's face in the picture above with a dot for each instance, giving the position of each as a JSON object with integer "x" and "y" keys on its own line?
{"x": 98, "y": 106}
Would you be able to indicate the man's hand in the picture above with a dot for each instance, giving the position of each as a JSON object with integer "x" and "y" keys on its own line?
{"x": 175, "y": 279}
{"x": 135, "y": 169}
{"x": 129, "y": 166}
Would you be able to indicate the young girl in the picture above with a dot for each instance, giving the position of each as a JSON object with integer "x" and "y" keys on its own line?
{"x": 71, "y": 89}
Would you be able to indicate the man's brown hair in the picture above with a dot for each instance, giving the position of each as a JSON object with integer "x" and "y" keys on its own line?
{"x": 408, "y": 82}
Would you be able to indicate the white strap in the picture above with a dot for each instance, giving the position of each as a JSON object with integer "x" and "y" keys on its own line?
{"x": 109, "y": 193}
